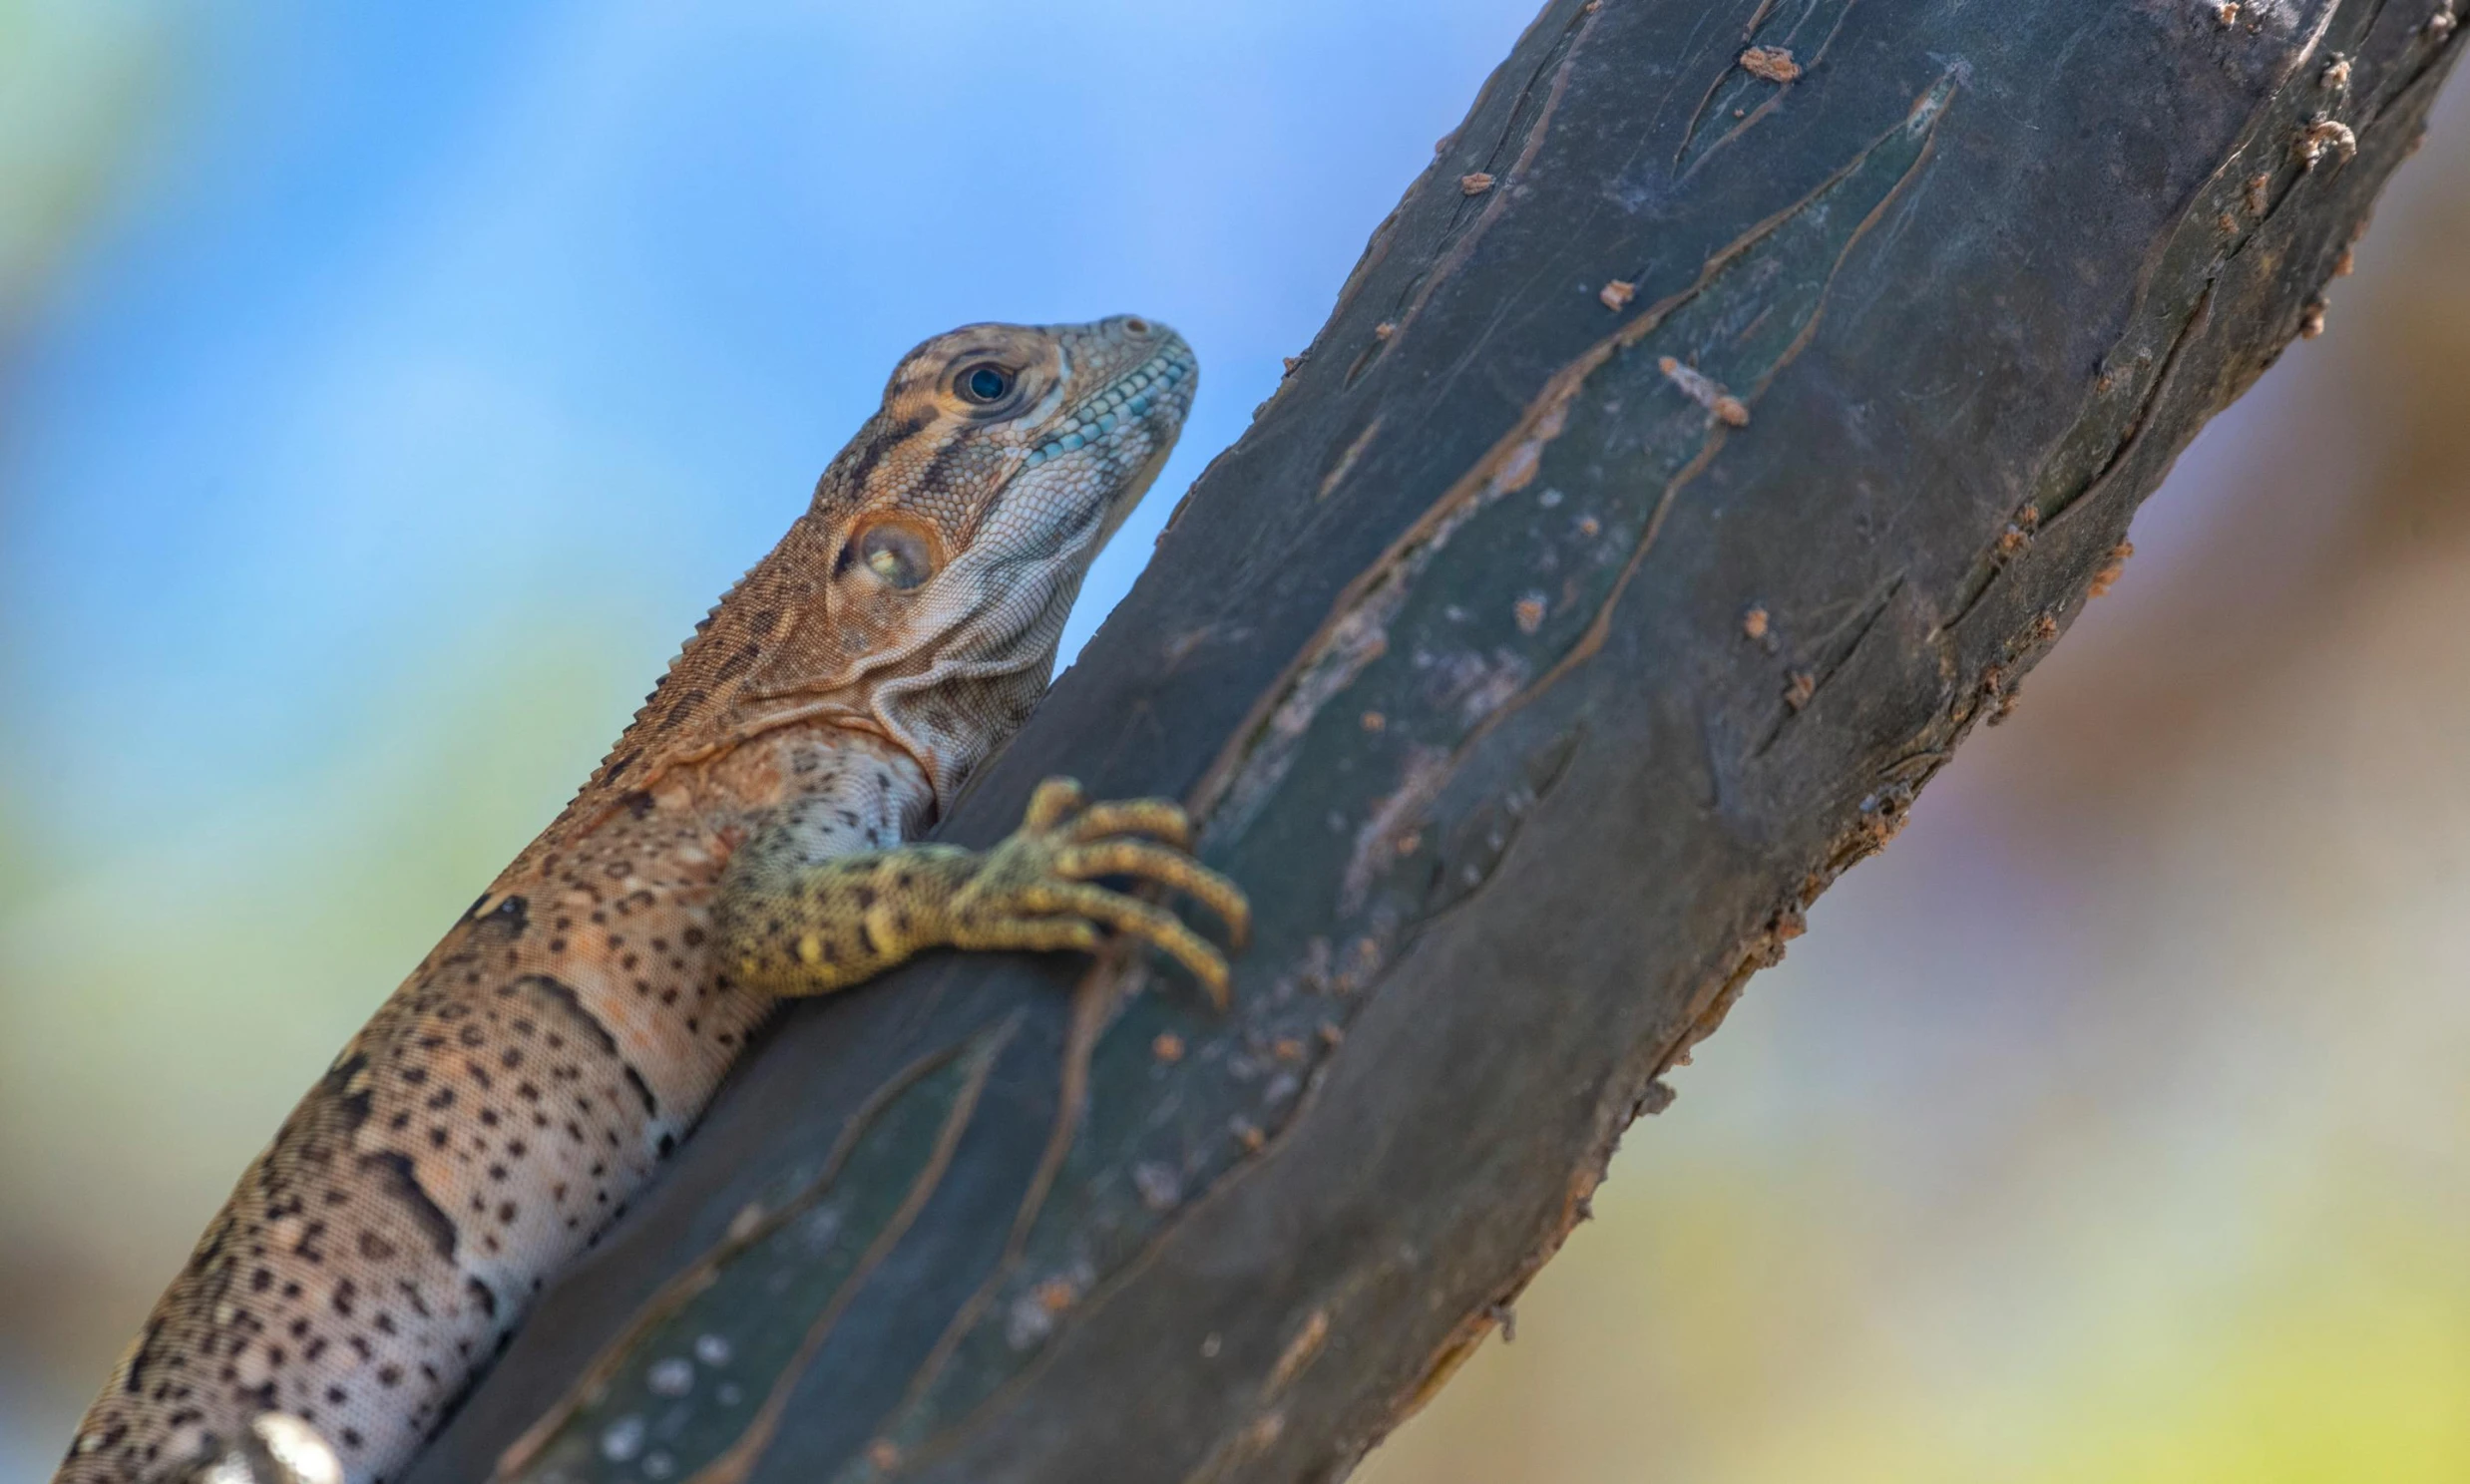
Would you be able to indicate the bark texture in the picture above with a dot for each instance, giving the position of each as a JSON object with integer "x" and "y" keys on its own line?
{"x": 1742, "y": 399}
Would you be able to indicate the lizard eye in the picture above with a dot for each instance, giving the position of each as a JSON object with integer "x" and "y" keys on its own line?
{"x": 896, "y": 554}
{"x": 983, "y": 383}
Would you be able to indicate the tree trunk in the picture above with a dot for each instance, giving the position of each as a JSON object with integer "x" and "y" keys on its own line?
{"x": 1745, "y": 397}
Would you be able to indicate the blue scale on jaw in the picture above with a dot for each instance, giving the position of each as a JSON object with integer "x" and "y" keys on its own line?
{"x": 1129, "y": 396}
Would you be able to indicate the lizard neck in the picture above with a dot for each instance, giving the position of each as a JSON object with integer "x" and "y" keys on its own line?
{"x": 948, "y": 692}
{"x": 695, "y": 711}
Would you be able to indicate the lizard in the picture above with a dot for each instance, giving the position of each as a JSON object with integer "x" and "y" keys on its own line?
{"x": 753, "y": 834}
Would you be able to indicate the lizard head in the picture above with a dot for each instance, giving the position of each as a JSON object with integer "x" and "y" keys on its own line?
{"x": 960, "y": 522}
{"x": 997, "y": 446}
{"x": 922, "y": 595}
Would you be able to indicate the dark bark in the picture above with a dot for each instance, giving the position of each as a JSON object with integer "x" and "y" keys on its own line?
{"x": 1533, "y": 692}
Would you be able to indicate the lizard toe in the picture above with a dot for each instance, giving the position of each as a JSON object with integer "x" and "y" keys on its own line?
{"x": 1055, "y": 801}
{"x": 1159, "y": 819}
{"x": 1131, "y": 916}
{"x": 1169, "y": 868}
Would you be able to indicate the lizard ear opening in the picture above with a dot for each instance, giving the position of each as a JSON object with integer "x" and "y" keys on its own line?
{"x": 897, "y": 553}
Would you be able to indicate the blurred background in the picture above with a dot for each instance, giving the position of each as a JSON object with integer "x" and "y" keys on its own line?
{"x": 383, "y": 396}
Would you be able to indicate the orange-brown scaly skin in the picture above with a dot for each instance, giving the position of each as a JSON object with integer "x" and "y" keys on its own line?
{"x": 500, "y": 1107}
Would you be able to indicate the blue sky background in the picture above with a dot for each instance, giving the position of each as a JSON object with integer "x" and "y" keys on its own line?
{"x": 396, "y": 325}
{"x": 385, "y": 391}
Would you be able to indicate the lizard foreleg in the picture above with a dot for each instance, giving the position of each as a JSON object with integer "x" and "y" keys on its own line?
{"x": 793, "y": 928}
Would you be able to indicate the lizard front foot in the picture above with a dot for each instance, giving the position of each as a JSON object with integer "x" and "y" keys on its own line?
{"x": 1036, "y": 890}
{"x": 844, "y": 920}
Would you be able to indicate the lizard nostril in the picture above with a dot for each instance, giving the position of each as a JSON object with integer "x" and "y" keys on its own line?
{"x": 1136, "y": 325}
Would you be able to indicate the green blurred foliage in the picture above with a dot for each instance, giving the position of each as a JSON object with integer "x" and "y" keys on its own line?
{"x": 227, "y": 956}
{"x": 75, "y": 76}
{"x": 73, "y": 85}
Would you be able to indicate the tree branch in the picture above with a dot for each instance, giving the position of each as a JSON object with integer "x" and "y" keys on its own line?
{"x": 1705, "y": 444}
